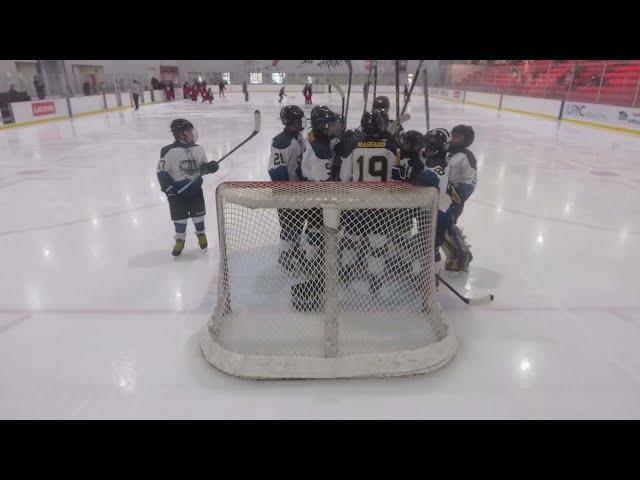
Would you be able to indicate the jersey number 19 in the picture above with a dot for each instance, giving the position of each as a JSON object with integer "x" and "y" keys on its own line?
{"x": 376, "y": 168}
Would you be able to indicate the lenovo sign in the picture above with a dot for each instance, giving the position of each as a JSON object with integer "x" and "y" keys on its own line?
{"x": 43, "y": 108}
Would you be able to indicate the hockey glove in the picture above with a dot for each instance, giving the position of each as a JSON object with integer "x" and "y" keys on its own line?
{"x": 209, "y": 167}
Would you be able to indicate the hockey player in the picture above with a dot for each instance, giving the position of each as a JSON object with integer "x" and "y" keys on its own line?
{"x": 284, "y": 165}
{"x": 318, "y": 155}
{"x": 281, "y": 94}
{"x": 462, "y": 163}
{"x": 374, "y": 156}
{"x": 411, "y": 145}
{"x": 383, "y": 104}
{"x": 180, "y": 163}
{"x": 372, "y": 160}
{"x": 316, "y": 166}
{"x": 448, "y": 235}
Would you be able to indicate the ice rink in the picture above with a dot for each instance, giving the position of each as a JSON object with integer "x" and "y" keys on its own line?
{"x": 98, "y": 320}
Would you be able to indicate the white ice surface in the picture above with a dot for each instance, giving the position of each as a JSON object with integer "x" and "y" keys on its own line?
{"x": 98, "y": 320}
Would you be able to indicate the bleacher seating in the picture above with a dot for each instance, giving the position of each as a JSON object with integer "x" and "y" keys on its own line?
{"x": 550, "y": 79}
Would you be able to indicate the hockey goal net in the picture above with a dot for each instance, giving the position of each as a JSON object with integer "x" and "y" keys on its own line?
{"x": 326, "y": 280}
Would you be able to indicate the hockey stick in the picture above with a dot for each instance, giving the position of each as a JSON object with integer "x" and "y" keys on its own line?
{"x": 256, "y": 129}
{"x": 413, "y": 84}
{"x": 346, "y": 109}
{"x": 366, "y": 93}
{"x": 339, "y": 90}
{"x": 469, "y": 301}
{"x": 425, "y": 87}
{"x": 337, "y": 87}
{"x": 397, "y": 89}
{"x": 375, "y": 80}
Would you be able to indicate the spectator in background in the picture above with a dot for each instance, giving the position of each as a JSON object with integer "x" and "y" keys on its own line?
{"x": 136, "y": 91}
{"x": 155, "y": 83}
{"x": 208, "y": 95}
{"x": 14, "y": 96}
{"x": 245, "y": 90}
{"x": 39, "y": 87}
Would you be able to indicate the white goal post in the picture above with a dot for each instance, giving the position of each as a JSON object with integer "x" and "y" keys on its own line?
{"x": 327, "y": 280}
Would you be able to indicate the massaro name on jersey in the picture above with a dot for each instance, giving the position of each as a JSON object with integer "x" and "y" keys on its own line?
{"x": 372, "y": 144}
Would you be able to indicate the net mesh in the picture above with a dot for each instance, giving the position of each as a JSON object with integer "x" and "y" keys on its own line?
{"x": 327, "y": 280}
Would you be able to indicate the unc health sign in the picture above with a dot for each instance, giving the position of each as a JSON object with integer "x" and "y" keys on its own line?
{"x": 43, "y": 108}
{"x": 605, "y": 114}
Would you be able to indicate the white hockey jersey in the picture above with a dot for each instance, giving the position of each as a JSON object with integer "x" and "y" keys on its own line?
{"x": 462, "y": 167}
{"x": 317, "y": 158}
{"x": 286, "y": 156}
{"x": 444, "y": 200}
{"x": 178, "y": 165}
{"x": 371, "y": 161}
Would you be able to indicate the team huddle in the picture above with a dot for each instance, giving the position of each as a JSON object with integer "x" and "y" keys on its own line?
{"x": 378, "y": 151}
{"x": 371, "y": 153}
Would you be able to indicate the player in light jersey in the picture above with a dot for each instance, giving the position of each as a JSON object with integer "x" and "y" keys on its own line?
{"x": 316, "y": 166}
{"x": 372, "y": 160}
{"x": 284, "y": 165}
{"x": 463, "y": 176}
{"x": 448, "y": 235}
{"x": 374, "y": 155}
{"x": 180, "y": 163}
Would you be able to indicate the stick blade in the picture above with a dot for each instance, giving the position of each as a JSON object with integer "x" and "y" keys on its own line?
{"x": 481, "y": 300}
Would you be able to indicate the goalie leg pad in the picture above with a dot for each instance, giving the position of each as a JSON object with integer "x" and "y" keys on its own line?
{"x": 457, "y": 251}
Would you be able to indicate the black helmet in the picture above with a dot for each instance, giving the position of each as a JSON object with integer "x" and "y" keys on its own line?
{"x": 292, "y": 115}
{"x": 413, "y": 138}
{"x": 467, "y": 133}
{"x": 321, "y": 117}
{"x": 373, "y": 123}
{"x": 436, "y": 140}
{"x": 381, "y": 102}
{"x": 179, "y": 126}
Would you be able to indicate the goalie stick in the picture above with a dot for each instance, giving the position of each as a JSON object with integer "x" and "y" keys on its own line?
{"x": 469, "y": 301}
